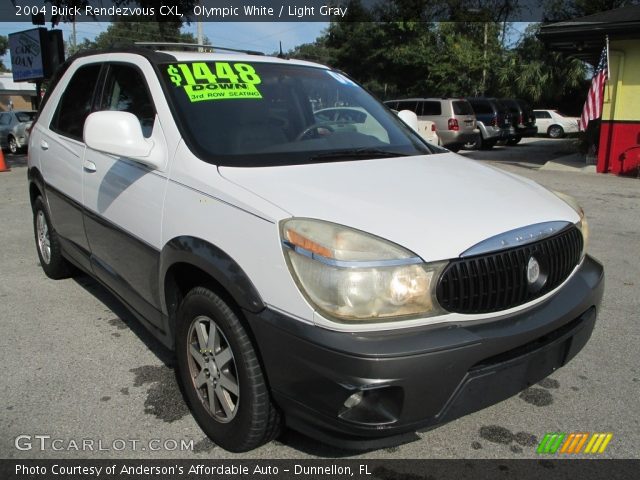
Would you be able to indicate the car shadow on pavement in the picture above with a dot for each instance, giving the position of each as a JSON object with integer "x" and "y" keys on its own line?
{"x": 110, "y": 301}
{"x": 15, "y": 161}
{"x": 288, "y": 438}
{"x": 315, "y": 448}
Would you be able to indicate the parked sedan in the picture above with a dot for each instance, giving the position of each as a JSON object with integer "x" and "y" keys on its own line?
{"x": 14, "y": 129}
{"x": 554, "y": 124}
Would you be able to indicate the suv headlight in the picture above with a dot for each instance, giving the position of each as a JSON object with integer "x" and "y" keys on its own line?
{"x": 582, "y": 224}
{"x": 352, "y": 276}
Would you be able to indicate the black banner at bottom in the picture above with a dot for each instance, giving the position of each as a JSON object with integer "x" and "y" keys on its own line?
{"x": 319, "y": 469}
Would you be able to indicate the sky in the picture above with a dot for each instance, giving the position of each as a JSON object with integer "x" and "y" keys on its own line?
{"x": 262, "y": 36}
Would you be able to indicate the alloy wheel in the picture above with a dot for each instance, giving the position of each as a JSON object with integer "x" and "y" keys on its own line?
{"x": 212, "y": 368}
{"x": 44, "y": 243}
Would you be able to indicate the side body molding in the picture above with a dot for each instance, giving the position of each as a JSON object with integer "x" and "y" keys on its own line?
{"x": 216, "y": 263}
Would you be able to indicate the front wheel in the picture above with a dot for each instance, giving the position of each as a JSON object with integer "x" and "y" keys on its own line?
{"x": 13, "y": 145}
{"x": 221, "y": 376}
{"x": 555, "y": 131}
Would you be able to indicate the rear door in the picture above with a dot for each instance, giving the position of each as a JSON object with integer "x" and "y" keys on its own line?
{"x": 543, "y": 119}
{"x": 123, "y": 198}
{"x": 463, "y": 112}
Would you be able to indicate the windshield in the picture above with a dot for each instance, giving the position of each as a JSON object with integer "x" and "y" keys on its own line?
{"x": 262, "y": 114}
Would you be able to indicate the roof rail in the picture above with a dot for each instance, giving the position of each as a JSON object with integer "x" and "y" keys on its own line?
{"x": 192, "y": 46}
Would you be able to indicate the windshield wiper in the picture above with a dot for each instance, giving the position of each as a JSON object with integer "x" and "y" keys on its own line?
{"x": 358, "y": 153}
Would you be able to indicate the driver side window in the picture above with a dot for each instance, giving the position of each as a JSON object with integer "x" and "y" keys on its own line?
{"x": 126, "y": 91}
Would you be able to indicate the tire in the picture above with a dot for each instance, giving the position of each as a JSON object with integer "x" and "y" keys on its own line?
{"x": 487, "y": 144}
{"x": 555, "y": 131}
{"x": 475, "y": 144}
{"x": 48, "y": 244}
{"x": 230, "y": 400}
{"x": 13, "y": 145}
{"x": 514, "y": 141}
{"x": 454, "y": 149}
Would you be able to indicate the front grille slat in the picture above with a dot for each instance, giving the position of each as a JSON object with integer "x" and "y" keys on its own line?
{"x": 498, "y": 280}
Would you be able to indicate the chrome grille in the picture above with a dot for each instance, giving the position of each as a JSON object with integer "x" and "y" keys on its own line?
{"x": 498, "y": 280}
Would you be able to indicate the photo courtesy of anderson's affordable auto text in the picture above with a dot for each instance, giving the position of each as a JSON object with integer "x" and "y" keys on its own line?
{"x": 347, "y": 239}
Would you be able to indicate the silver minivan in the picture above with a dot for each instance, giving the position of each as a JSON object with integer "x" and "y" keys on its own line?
{"x": 454, "y": 118}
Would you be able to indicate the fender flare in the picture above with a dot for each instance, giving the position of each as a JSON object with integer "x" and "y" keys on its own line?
{"x": 35, "y": 176}
{"x": 213, "y": 261}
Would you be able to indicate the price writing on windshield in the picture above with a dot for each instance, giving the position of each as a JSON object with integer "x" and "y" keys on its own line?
{"x": 230, "y": 81}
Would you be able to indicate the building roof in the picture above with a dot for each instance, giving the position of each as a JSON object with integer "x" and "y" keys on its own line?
{"x": 7, "y": 85}
{"x": 585, "y": 37}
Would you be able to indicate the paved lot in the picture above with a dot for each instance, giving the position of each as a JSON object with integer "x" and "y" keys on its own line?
{"x": 77, "y": 366}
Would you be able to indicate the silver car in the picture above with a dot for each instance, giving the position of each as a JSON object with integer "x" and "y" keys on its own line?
{"x": 14, "y": 129}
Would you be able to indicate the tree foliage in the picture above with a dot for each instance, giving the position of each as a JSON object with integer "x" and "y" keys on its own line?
{"x": 558, "y": 10}
{"x": 4, "y": 46}
{"x": 120, "y": 34}
{"x": 403, "y": 59}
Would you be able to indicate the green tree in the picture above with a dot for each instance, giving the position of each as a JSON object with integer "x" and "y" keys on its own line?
{"x": 558, "y": 10}
{"x": 120, "y": 34}
{"x": 532, "y": 72}
{"x": 4, "y": 46}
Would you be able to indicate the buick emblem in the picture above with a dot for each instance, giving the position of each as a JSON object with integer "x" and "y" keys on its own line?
{"x": 533, "y": 271}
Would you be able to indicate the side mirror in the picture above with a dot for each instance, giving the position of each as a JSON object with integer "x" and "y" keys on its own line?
{"x": 410, "y": 118}
{"x": 118, "y": 133}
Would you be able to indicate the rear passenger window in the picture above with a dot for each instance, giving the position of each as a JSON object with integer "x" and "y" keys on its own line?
{"x": 482, "y": 107}
{"x": 75, "y": 104}
{"x": 542, "y": 114}
{"x": 431, "y": 108}
{"x": 126, "y": 91}
{"x": 407, "y": 105}
{"x": 460, "y": 107}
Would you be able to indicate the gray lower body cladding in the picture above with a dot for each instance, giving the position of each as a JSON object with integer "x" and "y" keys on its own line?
{"x": 417, "y": 379}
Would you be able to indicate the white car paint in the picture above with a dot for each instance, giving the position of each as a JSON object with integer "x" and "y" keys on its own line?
{"x": 412, "y": 201}
{"x": 436, "y": 206}
{"x": 568, "y": 124}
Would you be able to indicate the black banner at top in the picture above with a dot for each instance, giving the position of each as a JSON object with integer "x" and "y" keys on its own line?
{"x": 285, "y": 10}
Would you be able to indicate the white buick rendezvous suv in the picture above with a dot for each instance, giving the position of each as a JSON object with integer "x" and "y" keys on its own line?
{"x": 341, "y": 277}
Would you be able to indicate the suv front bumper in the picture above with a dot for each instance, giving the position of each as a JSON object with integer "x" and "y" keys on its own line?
{"x": 418, "y": 378}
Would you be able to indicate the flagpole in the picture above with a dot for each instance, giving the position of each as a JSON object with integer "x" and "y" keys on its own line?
{"x": 608, "y": 73}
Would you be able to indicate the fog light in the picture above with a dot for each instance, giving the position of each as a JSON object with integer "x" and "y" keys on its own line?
{"x": 376, "y": 406}
{"x": 353, "y": 400}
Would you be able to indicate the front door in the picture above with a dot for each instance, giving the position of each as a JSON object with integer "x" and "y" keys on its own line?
{"x": 123, "y": 199}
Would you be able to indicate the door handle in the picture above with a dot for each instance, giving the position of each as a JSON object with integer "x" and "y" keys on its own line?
{"x": 89, "y": 166}
{"x": 44, "y": 145}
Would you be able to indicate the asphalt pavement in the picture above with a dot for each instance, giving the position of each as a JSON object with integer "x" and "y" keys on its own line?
{"x": 77, "y": 367}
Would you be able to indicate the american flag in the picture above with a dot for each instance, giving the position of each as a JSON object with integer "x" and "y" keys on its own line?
{"x": 593, "y": 106}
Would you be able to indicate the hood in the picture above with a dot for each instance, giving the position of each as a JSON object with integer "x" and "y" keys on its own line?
{"x": 437, "y": 205}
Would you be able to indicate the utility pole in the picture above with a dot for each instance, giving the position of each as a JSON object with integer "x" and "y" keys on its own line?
{"x": 484, "y": 59}
{"x": 73, "y": 35}
{"x": 199, "y": 34}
